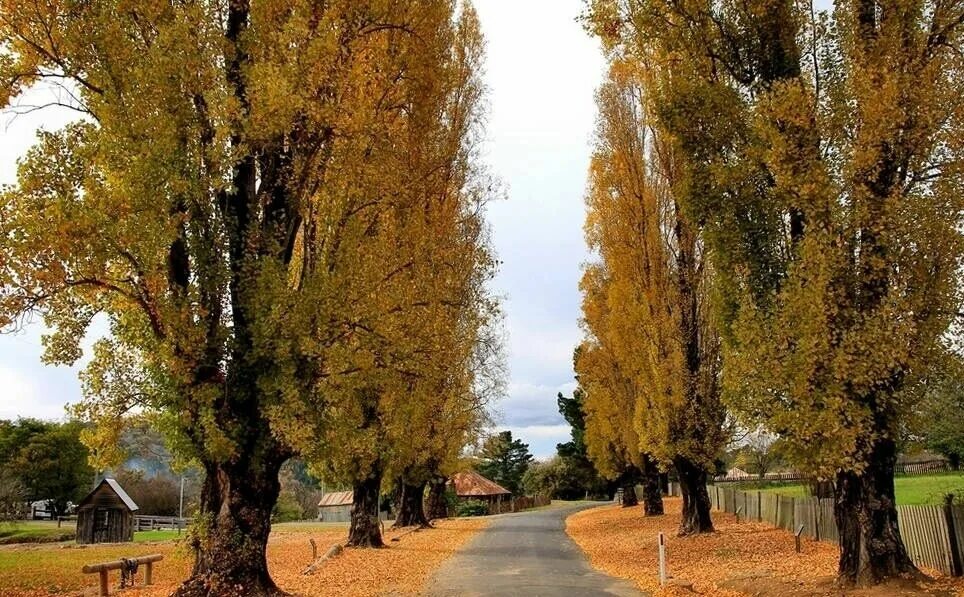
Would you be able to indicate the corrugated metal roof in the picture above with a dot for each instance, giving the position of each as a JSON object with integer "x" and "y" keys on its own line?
{"x": 337, "y": 498}
{"x": 471, "y": 483}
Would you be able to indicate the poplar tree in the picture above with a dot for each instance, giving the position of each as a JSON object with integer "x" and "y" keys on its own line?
{"x": 661, "y": 336}
{"x": 820, "y": 153}
{"x": 220, "y": 204}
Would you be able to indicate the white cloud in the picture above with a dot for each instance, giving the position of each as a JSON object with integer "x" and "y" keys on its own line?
{"x": 21, "y": 397}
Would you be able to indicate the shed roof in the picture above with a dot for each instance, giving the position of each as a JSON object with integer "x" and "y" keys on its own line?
{"x": 336, "y": 498}
{"x": 471, "y": 483}
{"x": 114, "y": 486}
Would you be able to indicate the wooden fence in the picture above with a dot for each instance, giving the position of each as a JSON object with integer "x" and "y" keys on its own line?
{"x": 155, "y": 523}
{"x": 518, "y": 504}
{"x": 911, "y": 468}
{"x": 933, "y": 535}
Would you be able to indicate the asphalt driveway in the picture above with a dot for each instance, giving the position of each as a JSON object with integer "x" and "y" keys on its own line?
{"x": 527, "y": 553}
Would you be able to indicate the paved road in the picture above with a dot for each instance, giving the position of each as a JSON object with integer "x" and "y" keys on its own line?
{"x": 527, "y": 553}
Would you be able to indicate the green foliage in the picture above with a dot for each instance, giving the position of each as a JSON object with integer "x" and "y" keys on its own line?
{"x": 471, "y": 508}
{"x": 939, "y": 425}
{"x": 504, "y": 460}
{"x": 287, "y": 508}
{"x": 48, "y": 460}
{"x": 578, "y": 477}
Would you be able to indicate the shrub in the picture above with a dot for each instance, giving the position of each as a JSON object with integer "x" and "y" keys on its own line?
{"x": 471, "y": 508}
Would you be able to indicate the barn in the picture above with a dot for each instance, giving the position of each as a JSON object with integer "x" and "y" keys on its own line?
{"x": 106, "y": 515}
{"x": 470, "y": 485}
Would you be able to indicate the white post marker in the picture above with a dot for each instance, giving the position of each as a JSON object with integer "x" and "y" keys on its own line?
{"x": 662, "y": 560}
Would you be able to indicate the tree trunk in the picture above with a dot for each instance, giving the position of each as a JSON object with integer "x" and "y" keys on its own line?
{"x": 696, "y": 500}
{"x": 411, "y": 511}
{"x": 871, "y": 550}
{"x": 652, "y": 492}
{"x": 629, "y": 478}
{"x": 437, "y": 507}
{"x": 365, "y": 530}
{"x": 236, "y": 502}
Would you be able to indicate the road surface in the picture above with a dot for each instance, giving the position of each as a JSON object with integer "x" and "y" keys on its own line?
{"x": 527, "y": 553}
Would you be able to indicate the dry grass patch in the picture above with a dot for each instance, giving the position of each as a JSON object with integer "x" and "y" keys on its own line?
{"x": 401, "y": 568}
{"x": 739, "y": 559}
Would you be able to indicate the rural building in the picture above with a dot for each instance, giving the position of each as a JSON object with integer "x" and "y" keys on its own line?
{"x": 336, "y": 507}
{"x": 470, "y": 485}
{"x": 106, "y": 515}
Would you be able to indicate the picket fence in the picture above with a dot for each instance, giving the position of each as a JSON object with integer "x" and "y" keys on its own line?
{"x": 933, "y": 535}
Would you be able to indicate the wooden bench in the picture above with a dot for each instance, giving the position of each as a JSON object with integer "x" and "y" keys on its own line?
{"x": 104, "y": 567}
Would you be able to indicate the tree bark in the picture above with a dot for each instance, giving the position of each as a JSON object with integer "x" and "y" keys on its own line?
{"x": 365, "y": 530}
{"x": 230, "y": 542}
{"x": 628, "y": 483}
{"x": 871, "y": 549}
{"x": 696, "y": 501}
{"x": 411, "y": 510}
{"x": 436, "y": 506}
{"x": 652, "y": 492}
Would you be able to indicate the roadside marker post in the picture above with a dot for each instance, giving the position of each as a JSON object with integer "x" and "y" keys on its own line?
{"x": 662, "y": 560}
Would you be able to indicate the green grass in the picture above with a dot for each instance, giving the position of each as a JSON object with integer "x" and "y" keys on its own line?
{"x": 165, "y": 535}
{"x": 35, "y": 531}
{"x": 910, "y": 490}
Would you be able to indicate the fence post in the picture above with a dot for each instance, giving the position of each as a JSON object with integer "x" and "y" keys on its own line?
{"x": 952, "y": 535}
{"x": 662, "y": 561}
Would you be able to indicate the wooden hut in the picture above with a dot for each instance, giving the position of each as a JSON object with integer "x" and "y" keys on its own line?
{"x": 470, "y": 485}
{"x": 106, "y": 515}
{"x": 336, "y": 507}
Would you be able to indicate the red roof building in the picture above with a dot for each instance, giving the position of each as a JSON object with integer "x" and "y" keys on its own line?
{"x": 472, "y": 485}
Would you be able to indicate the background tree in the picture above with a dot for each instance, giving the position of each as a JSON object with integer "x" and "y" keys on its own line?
{"x": 656, "y": 320}
{"x": 817, "y": 151}
{"x": 46, "y": 460}
{"x": 504, "y": 460}
{"x": 582, "y": 479}
{"x": 939, "y": 425}
{"x": 759, "y": 454}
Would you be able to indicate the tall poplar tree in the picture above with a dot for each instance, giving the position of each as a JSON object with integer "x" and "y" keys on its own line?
{"x": 215, "y": 204}
{"x": 820, "y": 152}
{"x": 657, "y": 321}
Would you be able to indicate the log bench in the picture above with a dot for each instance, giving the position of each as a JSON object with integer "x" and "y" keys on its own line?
{"x": 104, "y": 567}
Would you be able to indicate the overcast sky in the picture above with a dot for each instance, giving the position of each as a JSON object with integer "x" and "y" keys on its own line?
{"x": 542, "y": 72}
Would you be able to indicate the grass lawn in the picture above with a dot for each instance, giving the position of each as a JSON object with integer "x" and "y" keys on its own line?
{"x": 911, "y": 490}
{"x": 35, "y": 531}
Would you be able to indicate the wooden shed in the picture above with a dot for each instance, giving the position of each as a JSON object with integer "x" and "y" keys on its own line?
{"x": 470, "y": 485}
{"x": 106, "y": 515}
{"x": 336, "y": 507}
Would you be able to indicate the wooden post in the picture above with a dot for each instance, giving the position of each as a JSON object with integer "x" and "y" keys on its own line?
{"x": 796, "y": 537}
{"x": 149, "y": 573}
{"x": 103, "y": 583}
{"x": 738, "y": 512}
{"x": 952, "y": 535}
{"x": 314, "y": 550}
{"x": 662, "y": 560}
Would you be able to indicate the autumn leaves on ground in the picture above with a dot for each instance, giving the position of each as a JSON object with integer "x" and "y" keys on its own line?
{"x": 401, "y": 568}
{"x": 740, "y": 558}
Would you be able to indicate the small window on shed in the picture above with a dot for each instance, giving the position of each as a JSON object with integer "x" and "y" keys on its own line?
{"x": 101, "y": 520}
